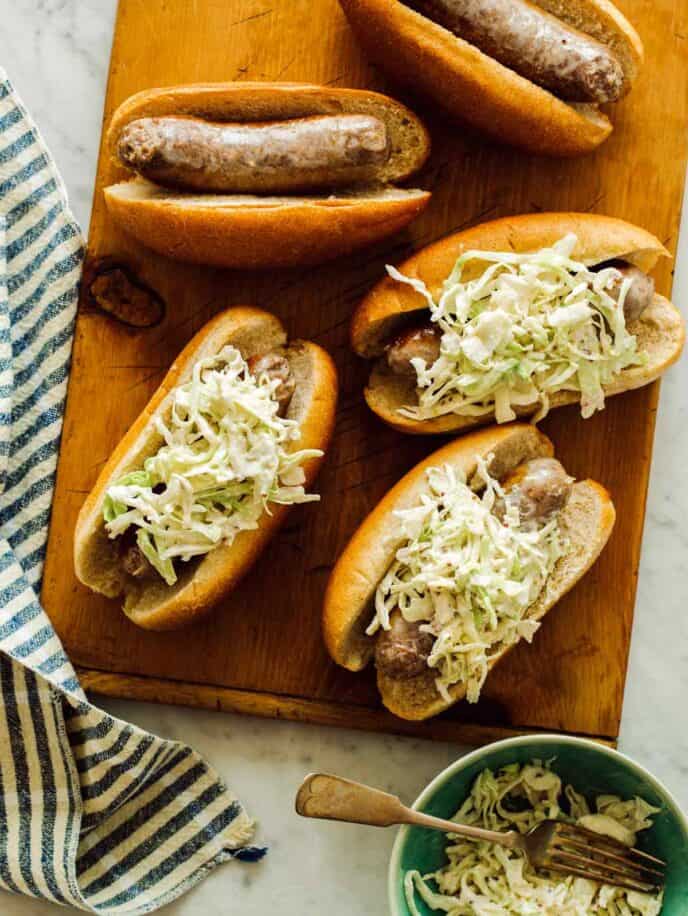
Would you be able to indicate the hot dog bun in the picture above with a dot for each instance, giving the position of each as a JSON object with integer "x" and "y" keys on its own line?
{"x": 587, "y": 521}
{"x": 477, "y": 89}
{"x": 151, "y": 603}
{"x": 247, "y": 231}
{"x": 660, "y": 329}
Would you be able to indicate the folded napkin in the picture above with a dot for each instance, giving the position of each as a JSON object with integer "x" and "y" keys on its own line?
{"x": 93, "y": 812}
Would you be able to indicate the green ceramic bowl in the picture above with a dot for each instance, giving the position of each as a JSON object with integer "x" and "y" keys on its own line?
{"x": 589, "y": 767}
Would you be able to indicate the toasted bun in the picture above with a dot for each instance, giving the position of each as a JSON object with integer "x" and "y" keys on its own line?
{"x": 587, "y": 522}
{"x": 476, "y": 88}
{"x": 247, "y": 231}
{"x": 660, "y": 329}
{"x": 153, "y": 604}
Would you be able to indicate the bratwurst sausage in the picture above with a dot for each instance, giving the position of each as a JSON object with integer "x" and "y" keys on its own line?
{"x": 276, "y": 367}
{"x": 640, "y": 293}
{"x": 276, "y": 157}
{"x": 539, "y": 489}
{"x": 131, "y": 557}
{"x": 537, "y": 45}
{"x": 415, "y": 343}
{"x": 402, "y": 651}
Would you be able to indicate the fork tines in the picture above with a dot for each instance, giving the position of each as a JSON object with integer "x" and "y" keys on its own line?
{"x": 590, "y": 855}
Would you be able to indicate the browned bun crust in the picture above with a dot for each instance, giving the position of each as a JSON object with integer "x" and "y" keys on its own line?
{"x": 474, "y": 87}
{"x": 660, "y": 329}
{"x": 245, "y": 231}
{"x": 249, "y": 232}
{"x": 153, "y": 604}
{"x": 587, "y": 519}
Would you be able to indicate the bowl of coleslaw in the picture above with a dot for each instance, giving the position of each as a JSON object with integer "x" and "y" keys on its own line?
{"x": 513, "y": 784}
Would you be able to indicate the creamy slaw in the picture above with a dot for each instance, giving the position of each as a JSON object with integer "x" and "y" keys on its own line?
{"x": 482, "y": 879}
{"x": 224, "y": 459}
{"x": 469, "y": 577}
{"x": 528, "y": 326}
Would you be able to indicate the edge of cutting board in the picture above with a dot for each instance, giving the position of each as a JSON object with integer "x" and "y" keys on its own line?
{"x": 299, "y": 709}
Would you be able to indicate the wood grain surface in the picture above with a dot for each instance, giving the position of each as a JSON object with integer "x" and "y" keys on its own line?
{"x": 262, "y": 651}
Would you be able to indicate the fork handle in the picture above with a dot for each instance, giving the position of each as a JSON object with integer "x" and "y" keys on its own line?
{"x": 510, "y": 839}
{"x": 334, "y": 798}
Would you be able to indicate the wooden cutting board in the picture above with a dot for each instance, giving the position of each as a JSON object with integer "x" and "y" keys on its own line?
{"x": 262, "y": 652}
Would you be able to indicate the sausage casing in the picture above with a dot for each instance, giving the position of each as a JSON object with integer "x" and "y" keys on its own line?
{"x": 277, "y": 157}
{"x": 402, "y": 651}
{"x": 276, "y": 367}
{"x": 422, "y": 342}
{"x": 539, "y": 489}
{"x": 537, "y": 45}
{"x": 640, "y": 293}
{"x": 131, "y": 557}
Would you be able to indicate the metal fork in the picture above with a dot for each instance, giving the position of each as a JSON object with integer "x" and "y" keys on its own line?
{"x": 551, "y": 845}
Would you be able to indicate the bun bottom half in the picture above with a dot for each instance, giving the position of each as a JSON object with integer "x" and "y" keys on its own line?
{"x": 245, "y": 232}
{"x": 660, "y": 332}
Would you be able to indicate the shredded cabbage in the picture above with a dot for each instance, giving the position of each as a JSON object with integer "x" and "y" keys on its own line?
{"x": 468, "y": 576}
{"x": 527, "y": 326}
{"x": 225, "y": 457}
{"x": 481, "y": 879}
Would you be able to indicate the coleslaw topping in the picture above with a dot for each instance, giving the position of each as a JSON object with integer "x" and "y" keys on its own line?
{"x": 482, "y": 879}
{"x": 225, "y": 457}
{"x": 467, "y": 575}
{"x": 527, "y": 326}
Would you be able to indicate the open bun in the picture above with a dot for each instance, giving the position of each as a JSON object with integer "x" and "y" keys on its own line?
{"x": 152, "y": 603}
{"x": 476, "y": 88}
{"x": 586, "y": 521}
{"x": 390, "y": 305}
{"x": 246, "y": 230}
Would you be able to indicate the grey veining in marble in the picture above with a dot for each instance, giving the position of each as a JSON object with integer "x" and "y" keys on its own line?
{"x": 56, "y": 52}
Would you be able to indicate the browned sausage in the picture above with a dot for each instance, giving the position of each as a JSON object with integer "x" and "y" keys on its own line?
{"x": 537, "y": 45}
{"x": 539, "y": 488}
{"x": 131, "y": 556}
{"x": 640, "y": 293}
{"x": 403, "y": 650}
{"x": 275, "y": 366}
{"x": 276, "y": 157}
{"x": 415, "y": 343}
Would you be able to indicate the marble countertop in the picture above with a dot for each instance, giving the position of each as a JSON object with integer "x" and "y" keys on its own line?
{"x": 56, "y": 52}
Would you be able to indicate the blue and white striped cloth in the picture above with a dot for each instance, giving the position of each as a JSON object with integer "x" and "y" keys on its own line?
{"x": 94, "y": 813}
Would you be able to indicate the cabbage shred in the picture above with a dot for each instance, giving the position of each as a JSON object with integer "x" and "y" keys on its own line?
{"x": 481, "y": 879}
{"x": 469, "y": 577}
{"x": 528, "y": 326}
{"x": 224, "y": 459}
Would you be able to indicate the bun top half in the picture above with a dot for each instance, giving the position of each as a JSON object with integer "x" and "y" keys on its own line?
{"x": 247, "y": 102}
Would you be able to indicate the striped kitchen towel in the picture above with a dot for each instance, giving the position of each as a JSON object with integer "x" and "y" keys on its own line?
{"x": 94, "y": 813}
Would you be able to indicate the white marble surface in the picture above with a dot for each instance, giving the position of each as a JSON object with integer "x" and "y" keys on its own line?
{"x": 56, "y": 52}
